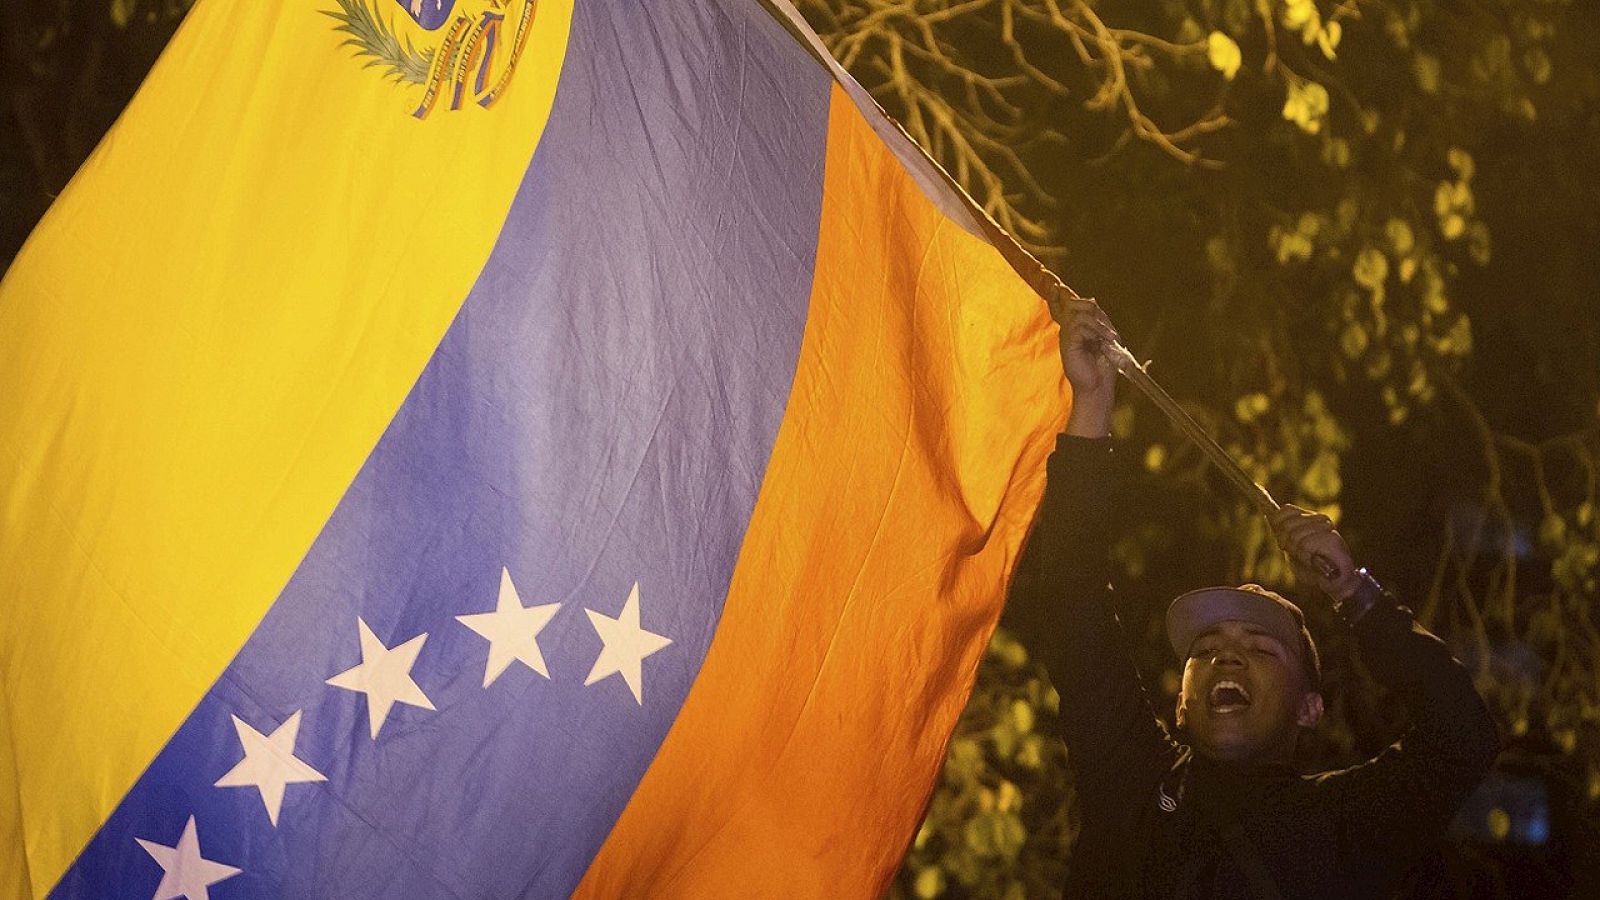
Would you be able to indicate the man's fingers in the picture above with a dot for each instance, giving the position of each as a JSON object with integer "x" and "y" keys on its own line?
{"x": 1316, "y": 550}
{"x": 1088, "y": 305}
{"x": 1287, "y": 512}
{"x": 1087, "y": 309}
{"x": 1314, "y": 546}
{"x": 1308, "y": 520}
{"x": 1314, "y": 541}
{"x": 1289, "y": 518}
{"x": 1299, "y": 533}
{"x": 1310, "y": 537}
{"x": 1096, "y": 329}
{"x": 1104, "y": 321}
{"x": 1099, "y": 332}
{"x": 1089, "y": 329}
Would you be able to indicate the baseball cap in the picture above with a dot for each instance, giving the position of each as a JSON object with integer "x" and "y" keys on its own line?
{"x": 1195, "y": 612}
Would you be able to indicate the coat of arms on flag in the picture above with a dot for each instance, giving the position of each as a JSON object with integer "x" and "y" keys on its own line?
{"x": 469, "y": 49}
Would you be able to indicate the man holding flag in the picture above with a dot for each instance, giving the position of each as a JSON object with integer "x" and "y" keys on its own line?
{"x": 1224, "y": 813}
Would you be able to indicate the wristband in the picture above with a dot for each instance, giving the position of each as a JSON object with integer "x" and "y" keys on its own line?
{"x": 1368, "y": 592}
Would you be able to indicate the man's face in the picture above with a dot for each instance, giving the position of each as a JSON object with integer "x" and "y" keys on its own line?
{"x": 1245, "y": 695}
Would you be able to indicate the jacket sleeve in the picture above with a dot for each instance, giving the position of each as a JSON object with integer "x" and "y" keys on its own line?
{"x": 1393, "y": 808}
{"x": 1061, "y": 607}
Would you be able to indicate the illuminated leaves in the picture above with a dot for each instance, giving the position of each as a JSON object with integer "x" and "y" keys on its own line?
{"x": 1306, "y": 105}
{"x": 1370, "y": 270}
{"x": 1336, "y": 250}
{"x": 1155, "y": 457}
{"x": 122, "y": 12}
{"x": 1537, "y": 62}
{"x": 1296, "y": 244}
{"x": 1327, "y": 39}
{"x": 1320, "y": 482}
{"x": 1453, "y": 202}
{"x": 1223, "y": 54}
{"x": 1353, "y": 340}
{"x": 1401, "y": 240}
{"x": 1251, "y": 407}
{"x": 1304, "y": 17}
{"x": 999, "y": 822}
{"x": 1298, "y": 14}
{"x": 1478, "y": 242}
{"x": 1574, "y": 568}
{"x": 1425, "y": 68}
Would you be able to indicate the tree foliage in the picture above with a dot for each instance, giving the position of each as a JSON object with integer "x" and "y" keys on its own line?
{"x": 1355, "y": 237}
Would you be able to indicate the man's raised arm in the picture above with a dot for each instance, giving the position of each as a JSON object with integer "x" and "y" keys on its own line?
{"x": 1397, "y": 805}
{"x": 1060, "y": 603}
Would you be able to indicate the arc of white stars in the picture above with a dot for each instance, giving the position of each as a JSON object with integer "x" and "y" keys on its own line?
{"x": 626, "y": 645}
{"x": 269, "y": 763}
{"x": 384, "y": 676}
{"x": 185, "y": 872}
{"x": 512, "y": 631}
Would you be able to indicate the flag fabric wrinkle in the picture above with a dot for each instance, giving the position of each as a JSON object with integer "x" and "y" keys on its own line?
{"x": 500, "y": 448}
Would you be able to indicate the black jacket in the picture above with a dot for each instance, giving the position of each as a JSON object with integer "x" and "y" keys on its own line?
{"x": 1161, "y": 822}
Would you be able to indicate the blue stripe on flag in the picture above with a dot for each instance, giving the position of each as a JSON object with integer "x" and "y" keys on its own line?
{"x": 599, "y": 414}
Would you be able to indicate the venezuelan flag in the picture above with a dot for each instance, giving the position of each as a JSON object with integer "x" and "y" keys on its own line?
{"x": 500, "y": 448}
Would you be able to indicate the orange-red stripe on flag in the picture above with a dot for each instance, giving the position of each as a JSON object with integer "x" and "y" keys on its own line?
{"x": 904, "y": 477}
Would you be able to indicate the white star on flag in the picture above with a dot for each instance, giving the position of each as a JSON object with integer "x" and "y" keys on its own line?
{"x": 384, "y": 676}
{"x": 626, "y": 645}
{"x": 512, "y": 630}
{"x": 187, "y": 873}
{"x": 269, "y": 763}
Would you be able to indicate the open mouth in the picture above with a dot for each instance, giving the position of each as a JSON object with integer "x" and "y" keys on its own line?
{"x": 1229, "y": 697}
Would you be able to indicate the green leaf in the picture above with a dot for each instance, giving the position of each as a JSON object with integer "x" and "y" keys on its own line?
{"x": 1370, "y": 269}
{"x": 1353, "y": 340}
{"x": 1306, "y": 105}
{"x": 1328, "y": 39}
{"x": 1155, "y": 457}
{"x": 1223, "y": 54}
{"x": 1122, "y": 419}
{"x": 1030, "y": 753}
{"x": 1298, "y": 13}
{"x": 1537, "y": 62}
{"x": 122, "y": 12}
{"x": 979, "y": 834}
{"x": 1425, "y": 68}
{"x": 1478, "y": 243}
{"x": 1022, "y": 716}
{"x": 1401, "y": 240}
{"x": 1321, "y": 481}
{"x": 1251, "y": 406}
{"x": 1336, "y": 152}
{"x": 1008, "y": 651}
{"x": 1552, "y": 530}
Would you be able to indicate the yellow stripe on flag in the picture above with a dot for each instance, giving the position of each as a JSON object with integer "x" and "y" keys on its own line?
{"x": 199, "y": 346}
